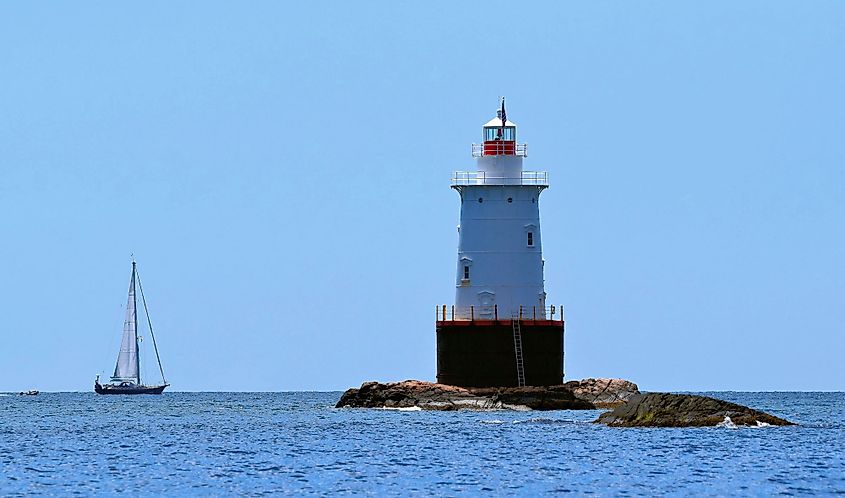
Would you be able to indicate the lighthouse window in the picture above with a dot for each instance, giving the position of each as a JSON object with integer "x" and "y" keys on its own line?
{"x": 480, "y": 200}
{"x": 510, "y": 199}
{"x": 495, "y": 133}
{"x": 530, "y": 239}
{"x": 466, "y": 272}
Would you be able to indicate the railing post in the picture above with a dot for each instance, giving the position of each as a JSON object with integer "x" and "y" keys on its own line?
{"x": 472, "y": 313}
{"x": 520, "y": 312}
{"x": 453, "y": 312}
{"x": 444, "y": 312}
{"x": 496, "y": 312}
{"x": 535, "y": 311}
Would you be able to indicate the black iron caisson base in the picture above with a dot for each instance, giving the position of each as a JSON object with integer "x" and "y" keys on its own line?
{"x": 481, "y": 353}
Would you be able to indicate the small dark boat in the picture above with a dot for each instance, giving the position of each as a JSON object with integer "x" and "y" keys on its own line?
{"x": 127, "y": 372}
{"x": 31, "y": 392}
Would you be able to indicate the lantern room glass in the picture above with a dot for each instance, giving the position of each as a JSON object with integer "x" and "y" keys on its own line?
{"x": 494, "y": 133}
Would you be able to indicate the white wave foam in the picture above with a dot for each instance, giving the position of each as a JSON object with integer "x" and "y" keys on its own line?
{"x": 762, "y": 424}
{"x": 516, "y": 408}
{"x": 537, "y": 420}
{"x": 494, "y": 421}
{"x": 727, "y": 423}
{"x": 403, "y": 408}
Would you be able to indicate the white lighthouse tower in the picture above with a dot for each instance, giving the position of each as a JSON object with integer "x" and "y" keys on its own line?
{"x": 500, "y": 257}
{"x": 499, "y": 332}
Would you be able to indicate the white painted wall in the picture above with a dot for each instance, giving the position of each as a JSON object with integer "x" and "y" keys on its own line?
{"x": 499, "y": 170}
{"x": 493, "y": 242}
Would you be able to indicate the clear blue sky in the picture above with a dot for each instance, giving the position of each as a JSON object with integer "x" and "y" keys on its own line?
{"x": 281, "y": 172}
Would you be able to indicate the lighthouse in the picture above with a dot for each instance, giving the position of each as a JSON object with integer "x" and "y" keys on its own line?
{"x": 499, "y": 331}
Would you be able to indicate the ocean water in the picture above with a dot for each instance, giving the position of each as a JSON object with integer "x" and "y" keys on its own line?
{"x": 297, "y": 443}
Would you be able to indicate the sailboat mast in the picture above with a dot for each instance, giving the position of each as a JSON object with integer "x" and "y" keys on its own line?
{"x": 150, "y": 323}
{"x": 135, "y": 322}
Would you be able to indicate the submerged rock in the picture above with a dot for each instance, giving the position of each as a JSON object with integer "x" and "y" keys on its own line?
{"x": 603, "y": 393}
{"x": 411, "y": 394}
{"x": 684, "y": 410}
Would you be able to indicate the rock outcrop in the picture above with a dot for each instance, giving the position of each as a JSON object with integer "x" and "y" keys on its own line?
{"x": 603, "y": 393}
{"x": 414, "y": 394}
{"x": 535, "y": 397}
{"x": 684, "y": 410}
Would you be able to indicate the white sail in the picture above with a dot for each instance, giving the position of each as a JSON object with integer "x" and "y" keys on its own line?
{"x": 127, "y": 360}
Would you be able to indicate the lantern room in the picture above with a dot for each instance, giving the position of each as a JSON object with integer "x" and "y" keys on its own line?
{"x": 499, "y": 138}
{"x": 493, "y": 130}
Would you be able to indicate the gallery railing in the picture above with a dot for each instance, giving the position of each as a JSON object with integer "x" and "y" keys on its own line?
{"x": 539, "y": 178}
{"x": 500, "y": 148}
{"x": 454, "y": 313}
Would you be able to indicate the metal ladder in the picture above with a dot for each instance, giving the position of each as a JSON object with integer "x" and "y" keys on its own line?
{"x": 517, "y": 347}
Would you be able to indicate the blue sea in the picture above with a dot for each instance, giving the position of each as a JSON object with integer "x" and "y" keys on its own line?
{"x": 298, "y": 443}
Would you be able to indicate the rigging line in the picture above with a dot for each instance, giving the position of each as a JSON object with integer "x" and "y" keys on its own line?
{"x": 150, "y": 323}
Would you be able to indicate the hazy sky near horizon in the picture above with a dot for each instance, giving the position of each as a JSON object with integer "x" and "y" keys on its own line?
{"x": 281, "y": 172}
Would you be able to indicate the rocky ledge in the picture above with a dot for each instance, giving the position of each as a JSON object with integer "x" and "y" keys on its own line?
{"x": 414, "y": 394}
{"x": 684, "y": 410}
{"x": 603, "y": 393}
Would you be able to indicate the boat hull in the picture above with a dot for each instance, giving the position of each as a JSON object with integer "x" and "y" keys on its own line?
{"x": 134, "y": 389}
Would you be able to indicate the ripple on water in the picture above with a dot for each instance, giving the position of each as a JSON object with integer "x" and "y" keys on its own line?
{"x": 230, "y": 443}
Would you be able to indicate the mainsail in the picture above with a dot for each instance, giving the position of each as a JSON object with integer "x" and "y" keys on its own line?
{"x": 127, "y": 369}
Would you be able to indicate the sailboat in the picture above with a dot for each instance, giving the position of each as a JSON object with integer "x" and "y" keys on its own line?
{"x": 127, "y": 372}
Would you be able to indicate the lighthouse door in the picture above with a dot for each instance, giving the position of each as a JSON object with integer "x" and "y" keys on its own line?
{"x": 486, "y": 301}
